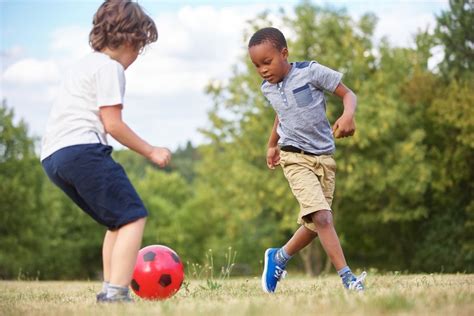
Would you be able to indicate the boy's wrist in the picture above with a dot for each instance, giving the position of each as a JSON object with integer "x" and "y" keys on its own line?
{"x": 349, "y": 113}
{"x": 148, "y": 151}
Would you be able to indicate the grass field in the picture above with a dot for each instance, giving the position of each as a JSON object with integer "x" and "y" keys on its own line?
{"x": 385, "y": 295}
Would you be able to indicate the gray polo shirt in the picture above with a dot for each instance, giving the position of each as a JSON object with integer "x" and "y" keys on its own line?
{"x": 301, "y": 106}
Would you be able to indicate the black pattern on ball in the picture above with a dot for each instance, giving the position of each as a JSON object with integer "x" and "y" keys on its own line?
{"x": 175, "y": 257}
{"x": 165, "y": 280}
{"x": 149, "y": 256}
{"x": 135, "y": 285}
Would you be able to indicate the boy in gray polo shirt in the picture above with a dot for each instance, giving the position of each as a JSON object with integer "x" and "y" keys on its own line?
{"x": 302, "y": 143}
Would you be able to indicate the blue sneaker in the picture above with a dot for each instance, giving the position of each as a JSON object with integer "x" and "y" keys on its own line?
{"x": 272, "y": 271}
{"x": 354, "y": 283}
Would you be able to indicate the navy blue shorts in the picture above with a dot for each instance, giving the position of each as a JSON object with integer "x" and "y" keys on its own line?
{"x": 96, "y": 183}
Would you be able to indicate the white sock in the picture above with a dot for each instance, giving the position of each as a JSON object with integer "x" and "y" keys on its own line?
{"x": 116, "y": 291}
{"x": 105, "y": 285}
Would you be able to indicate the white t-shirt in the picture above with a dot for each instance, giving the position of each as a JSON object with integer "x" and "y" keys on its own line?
{"x": 95, "y": 81}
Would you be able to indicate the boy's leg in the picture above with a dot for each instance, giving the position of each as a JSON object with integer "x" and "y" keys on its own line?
{"x": 99, "y": 185}
{"x": 275, "y": 259}
{"x": 120, "y": 254}
{"x": 125, "y": 251}
{"x": 107, "y": 248}
{"x": 300, "y": 239}
{"x": 312, "y": 180}
{"x": 323, "y": 221}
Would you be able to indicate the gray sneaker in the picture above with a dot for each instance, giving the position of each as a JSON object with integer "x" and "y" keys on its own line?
{"x": 102, "y": 298}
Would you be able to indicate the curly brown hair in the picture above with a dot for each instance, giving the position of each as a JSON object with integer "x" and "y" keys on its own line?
{"x": 117, "y": 22}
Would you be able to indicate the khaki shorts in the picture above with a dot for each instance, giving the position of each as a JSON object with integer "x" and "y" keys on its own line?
{"x": 312, "y": 180}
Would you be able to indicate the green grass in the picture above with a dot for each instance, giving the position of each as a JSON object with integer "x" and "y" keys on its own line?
{"x": 385, "y": 295}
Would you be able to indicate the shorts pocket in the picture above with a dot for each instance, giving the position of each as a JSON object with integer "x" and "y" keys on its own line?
{"x": 329, "y": 162}
{"x": 282, "y": 158}
{"x": 303, "y": 95}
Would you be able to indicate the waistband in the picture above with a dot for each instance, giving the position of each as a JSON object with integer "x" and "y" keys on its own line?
{"x": 293, "y": 149}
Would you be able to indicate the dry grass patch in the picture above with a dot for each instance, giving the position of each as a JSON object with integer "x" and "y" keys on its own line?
{"x": 385, "y": 295}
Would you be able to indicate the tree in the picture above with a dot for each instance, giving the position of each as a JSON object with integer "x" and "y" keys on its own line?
{"x": 21, "y": 218}
{"x": 259, "y": 208}
{"x": 387, "y": 173}
{"x": 455, "y": 32}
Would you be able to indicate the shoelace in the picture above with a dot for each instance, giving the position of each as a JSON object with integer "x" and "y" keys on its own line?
{"x": 357, "y": 283}
{"x": 279, "y": 273}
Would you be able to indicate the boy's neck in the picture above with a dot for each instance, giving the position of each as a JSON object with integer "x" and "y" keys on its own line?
{"x": 112, "y": 53}
{"x": 287, "y": 70}
{"x": 119, "y": 54}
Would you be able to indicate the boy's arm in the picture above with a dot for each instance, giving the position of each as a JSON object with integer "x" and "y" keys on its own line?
{"x": 345, "y": 125}
{"x": 111, "y": 117}
{"x": 273, "y": 152}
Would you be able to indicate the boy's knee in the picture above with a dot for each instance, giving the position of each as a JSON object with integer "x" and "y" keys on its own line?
{"x": 322, "y": 219}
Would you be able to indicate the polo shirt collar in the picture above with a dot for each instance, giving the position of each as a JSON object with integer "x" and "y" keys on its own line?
{"x": 282, "y": 83}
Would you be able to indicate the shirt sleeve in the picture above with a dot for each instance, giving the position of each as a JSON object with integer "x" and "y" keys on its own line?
{"x": 110, "y": 84}
{"x": 323, "y": 77}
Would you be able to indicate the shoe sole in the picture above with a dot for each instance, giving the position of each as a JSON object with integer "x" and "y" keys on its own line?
{"x": 264, "y": 274}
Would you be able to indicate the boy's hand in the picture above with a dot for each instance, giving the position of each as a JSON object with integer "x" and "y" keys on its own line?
{"x": 344, "y": 126}
{"x": 273, "y": 157}
{"x": 160, "y": 156}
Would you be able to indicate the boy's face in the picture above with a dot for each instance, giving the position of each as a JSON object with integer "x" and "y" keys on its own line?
{"x": 271, "y": 63}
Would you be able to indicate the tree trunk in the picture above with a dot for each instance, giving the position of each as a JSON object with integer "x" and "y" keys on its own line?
{"x": 312, "y": 259}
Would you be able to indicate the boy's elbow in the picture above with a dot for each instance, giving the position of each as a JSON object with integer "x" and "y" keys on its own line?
{"x": 351, "y": 94}
{"x": 112, "y": 127}
{"x": 111, "y": 117}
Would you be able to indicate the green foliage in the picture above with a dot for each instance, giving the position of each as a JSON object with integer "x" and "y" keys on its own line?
{"x": 40, "y": 229}
{"x": 184, "y": 160}
{"x": 455, "y": 32}
{"x": 20, "y": 192}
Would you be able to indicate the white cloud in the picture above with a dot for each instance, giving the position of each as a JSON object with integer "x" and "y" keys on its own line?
{"x": 31, "y": 71}
{"x": 71, "y": 42}
{"x": 437, "y": 56}
{"x": 165, "y": 98}
{"x": 195, "y": 45}
{"x": 401, "y": 32}
{"x": 399, "y": 21}
{"x": 12, "y": 52}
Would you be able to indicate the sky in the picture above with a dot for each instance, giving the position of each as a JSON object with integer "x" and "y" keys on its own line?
{"x": 199, "y": 42}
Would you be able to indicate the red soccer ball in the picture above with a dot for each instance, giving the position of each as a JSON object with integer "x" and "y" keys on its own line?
{"x": 158, "y": 273}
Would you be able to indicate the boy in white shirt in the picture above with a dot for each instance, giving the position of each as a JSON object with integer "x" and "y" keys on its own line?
{"x": 75, "y": 153}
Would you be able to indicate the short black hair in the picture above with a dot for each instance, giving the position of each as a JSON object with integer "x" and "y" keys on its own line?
{"x": 270, "y": 34}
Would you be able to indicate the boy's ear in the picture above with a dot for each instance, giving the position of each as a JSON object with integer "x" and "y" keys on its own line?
{"x": 284, "y": 52}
